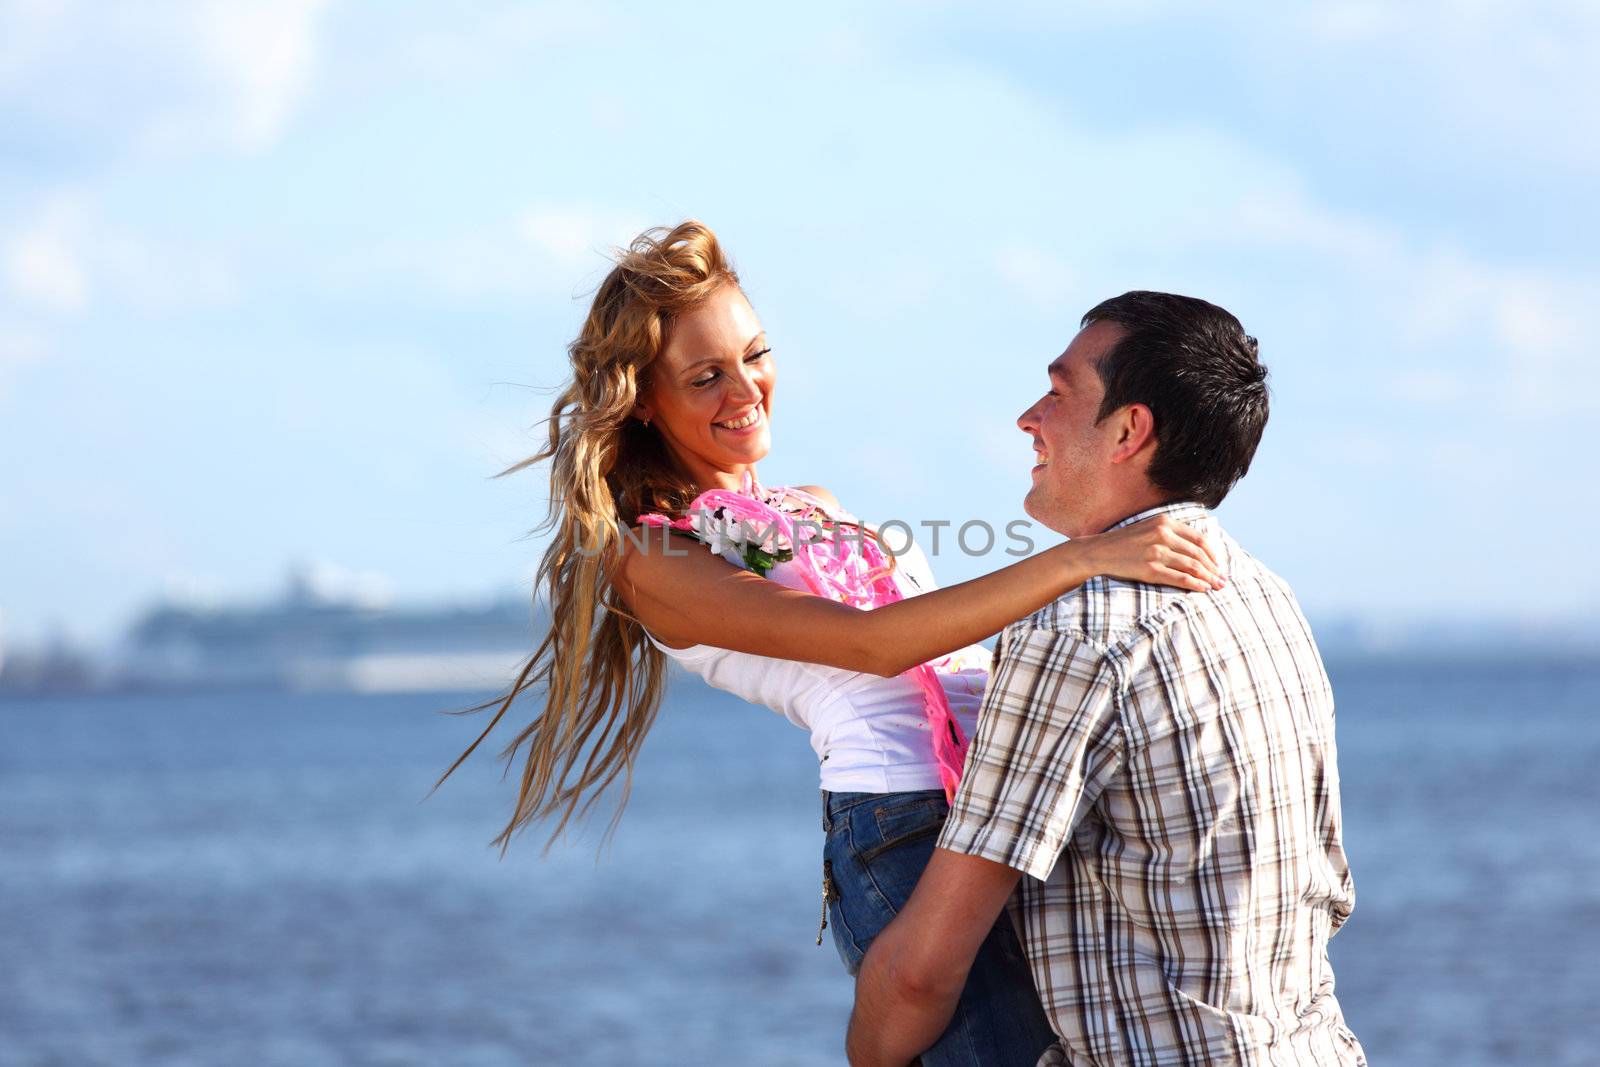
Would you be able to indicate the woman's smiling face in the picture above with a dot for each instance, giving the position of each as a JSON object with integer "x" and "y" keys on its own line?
{"x": 710, "y": 392}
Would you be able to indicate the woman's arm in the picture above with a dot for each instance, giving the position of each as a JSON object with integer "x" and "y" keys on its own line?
{"x": 686, "y": 596}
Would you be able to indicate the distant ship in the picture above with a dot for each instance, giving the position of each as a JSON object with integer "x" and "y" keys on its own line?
{"x": 316, "y": 639}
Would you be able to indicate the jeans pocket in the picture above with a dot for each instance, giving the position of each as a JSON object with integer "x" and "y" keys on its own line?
{"x": 838, "y": 883}
{"x": 850, "y": 953}
{"x": 901, "y": 823}
{"x": 874, "y": 853}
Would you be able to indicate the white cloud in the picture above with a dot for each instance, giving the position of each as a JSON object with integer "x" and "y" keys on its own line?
{"x": 1038, "y": 276}
{"x": 219, "y": 73}
{"x": 43, "y": 263}
{"x": 1458, "y": 328}
{"x": 260, "y": 57}
{"x": 537, "y": 250}
{"x": 19, "y": 348}
{"x": 1532, "y": 319}
{"x": 1281, "y": 213}
{"x": 1360, "y": 447}
{"x": 331, "y": 583}
{"x": 1502, "y": 337}
{"x": 1510, "y": 74}
{"x": 499, "y": 35}
{"x": 1417, "y": 311}
{"x": 1350, "y": 21}
{"x": 159, "y": 278}
{"x": 569, "y": 238}
{"x": 1484, "y": 463}
{"x": 1433, "y": 388}
{"x": 69, "y": 258}
{"x": 1445, "y": 75}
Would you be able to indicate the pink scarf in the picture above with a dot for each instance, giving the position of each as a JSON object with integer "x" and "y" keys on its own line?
{"x": 850, "y": 569}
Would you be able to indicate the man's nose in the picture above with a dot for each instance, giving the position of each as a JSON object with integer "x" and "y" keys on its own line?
{"x": 1028, "y": 421}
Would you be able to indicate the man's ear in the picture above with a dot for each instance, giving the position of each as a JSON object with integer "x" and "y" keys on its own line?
{"x": 1136, "y": 431}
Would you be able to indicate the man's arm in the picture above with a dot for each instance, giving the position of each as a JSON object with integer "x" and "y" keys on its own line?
{"x": 914, "y": 971}
{"x": 1048, "y": 739}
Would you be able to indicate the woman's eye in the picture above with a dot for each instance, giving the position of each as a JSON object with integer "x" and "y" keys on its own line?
{"x": 712, "y": 375}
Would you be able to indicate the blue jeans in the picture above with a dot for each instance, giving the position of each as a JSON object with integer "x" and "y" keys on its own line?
{"x": 877, "y": 847}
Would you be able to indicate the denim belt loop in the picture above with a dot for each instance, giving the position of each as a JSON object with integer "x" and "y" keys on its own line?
{"x": 827, "y": 822}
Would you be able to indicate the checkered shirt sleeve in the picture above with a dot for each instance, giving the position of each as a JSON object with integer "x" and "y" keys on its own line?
{"x": 1162, "y": 765}
{"x": 1049, "y": 738}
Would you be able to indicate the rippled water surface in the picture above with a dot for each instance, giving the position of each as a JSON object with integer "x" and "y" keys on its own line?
{"x": 256, "y": 879}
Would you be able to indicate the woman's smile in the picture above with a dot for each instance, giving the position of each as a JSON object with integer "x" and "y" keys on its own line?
{"x": 745, "y": 423}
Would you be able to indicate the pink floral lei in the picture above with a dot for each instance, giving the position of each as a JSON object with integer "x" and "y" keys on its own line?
{"x": 785, "y": 525}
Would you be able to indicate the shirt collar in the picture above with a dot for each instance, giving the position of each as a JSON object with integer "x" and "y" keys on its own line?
{"x": 1185, "y": 510}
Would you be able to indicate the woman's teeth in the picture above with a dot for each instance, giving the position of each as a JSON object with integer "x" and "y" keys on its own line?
{"x": 740, "y": 423}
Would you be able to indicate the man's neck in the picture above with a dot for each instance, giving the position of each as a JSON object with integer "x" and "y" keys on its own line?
{"x": 1112, "y": 512}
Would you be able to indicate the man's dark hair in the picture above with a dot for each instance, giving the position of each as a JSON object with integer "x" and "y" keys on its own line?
{"x": 1195, "y": 368}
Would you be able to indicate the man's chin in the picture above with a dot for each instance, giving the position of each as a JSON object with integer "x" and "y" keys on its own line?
{"x": 1040, "y": 511}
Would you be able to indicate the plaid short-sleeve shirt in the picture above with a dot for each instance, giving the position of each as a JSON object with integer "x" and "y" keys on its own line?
{"x": 1161, "y": 763}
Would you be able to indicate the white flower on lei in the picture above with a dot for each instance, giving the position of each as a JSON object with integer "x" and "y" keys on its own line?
{"x": 720, "y": 532}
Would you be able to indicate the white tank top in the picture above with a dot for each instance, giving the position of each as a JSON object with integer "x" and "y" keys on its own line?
{"x": 870, "y": 733}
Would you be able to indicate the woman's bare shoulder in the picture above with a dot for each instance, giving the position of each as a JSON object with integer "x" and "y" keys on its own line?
{"x": 646, "y": 547}
{"x": 821, "y": 494}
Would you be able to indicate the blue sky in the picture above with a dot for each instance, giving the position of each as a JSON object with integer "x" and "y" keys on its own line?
{"x": 288, "y": 281}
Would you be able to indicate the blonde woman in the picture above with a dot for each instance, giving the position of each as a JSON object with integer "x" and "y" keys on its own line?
{"x": 668, "y": 412}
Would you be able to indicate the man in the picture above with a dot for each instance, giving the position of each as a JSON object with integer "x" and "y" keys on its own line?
{"x": 1159, "y": 763}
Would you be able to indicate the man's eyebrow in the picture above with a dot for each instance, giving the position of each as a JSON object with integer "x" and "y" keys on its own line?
{"x": 1057, "y": 369}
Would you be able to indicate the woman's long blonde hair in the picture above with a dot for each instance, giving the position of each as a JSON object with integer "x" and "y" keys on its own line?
{"x": 602, "y": 678}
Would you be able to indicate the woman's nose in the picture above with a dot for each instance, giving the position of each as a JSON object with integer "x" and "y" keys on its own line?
{"x": 749, "y": 385}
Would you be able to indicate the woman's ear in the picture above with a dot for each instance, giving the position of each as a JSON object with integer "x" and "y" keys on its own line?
{"x": 643, "y": 412}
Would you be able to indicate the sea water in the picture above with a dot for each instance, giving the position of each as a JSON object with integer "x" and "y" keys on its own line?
{"x": 262, "y": 879}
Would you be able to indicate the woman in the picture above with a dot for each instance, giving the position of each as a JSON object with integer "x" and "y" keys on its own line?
{"x": 667, "y": 414}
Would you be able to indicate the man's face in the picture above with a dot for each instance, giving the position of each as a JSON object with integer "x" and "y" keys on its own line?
{"x": 1073, "y": 454}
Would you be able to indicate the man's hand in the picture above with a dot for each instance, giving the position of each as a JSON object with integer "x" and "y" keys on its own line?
{"x": 915, "y": 970}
